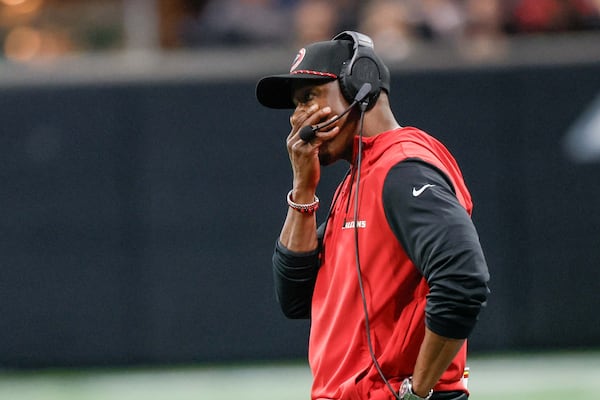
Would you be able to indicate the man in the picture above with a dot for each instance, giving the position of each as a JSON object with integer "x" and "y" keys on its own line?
{"x": 394, "y": 280}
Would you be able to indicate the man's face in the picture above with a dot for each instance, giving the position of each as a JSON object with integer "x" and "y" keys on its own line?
{"x": 328, "y": 94}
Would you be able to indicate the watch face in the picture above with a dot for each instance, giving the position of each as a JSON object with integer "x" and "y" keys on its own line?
{"x": 404, "y": 391}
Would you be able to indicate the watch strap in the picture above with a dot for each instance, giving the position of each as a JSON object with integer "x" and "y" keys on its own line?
{"x": 406, "y": 391}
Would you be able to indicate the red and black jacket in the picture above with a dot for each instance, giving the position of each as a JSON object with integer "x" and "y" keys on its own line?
{"x": 420, "y": 261}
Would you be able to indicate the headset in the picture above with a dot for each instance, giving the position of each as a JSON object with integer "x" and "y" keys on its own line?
{"x": 363, "y": 67}
{"x": 361, "y": 79}
{"x": 363, "y": 72}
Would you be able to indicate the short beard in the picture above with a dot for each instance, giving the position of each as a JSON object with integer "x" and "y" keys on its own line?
{"x": 325, "y": 159}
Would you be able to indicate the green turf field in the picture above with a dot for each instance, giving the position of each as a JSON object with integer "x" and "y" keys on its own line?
{"x": 556, "y": 376}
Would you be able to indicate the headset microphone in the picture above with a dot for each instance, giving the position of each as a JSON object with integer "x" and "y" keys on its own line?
{"x": 309, "y": 132}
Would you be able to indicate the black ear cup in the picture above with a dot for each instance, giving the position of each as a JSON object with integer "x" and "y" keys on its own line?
{"x": 364, "y": 70}
{"x": 363, "y": 67}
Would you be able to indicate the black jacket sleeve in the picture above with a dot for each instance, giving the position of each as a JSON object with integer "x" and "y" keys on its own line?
{"x": 441, "y": 240}
{"x": 294, "y": 276}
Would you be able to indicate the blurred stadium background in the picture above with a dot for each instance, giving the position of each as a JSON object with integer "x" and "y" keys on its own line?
{"x": 142, "y": 188}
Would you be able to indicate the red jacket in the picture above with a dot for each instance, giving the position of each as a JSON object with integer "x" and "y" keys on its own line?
{"x": 395, "y": 290}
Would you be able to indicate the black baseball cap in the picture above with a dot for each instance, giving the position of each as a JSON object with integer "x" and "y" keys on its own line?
{"x": 319, "y": 62}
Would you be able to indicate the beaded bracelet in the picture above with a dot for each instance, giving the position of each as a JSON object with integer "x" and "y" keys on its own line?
{"x": 303, "y": 208}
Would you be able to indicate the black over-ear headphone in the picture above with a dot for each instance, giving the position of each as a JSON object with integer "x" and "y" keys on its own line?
{"x": 363, "y": 67}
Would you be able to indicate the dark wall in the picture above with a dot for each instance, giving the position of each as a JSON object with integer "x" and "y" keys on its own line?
{"x": 138, "y": 220}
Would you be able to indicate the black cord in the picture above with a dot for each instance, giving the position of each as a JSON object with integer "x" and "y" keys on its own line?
{"x": 363, "y": 107}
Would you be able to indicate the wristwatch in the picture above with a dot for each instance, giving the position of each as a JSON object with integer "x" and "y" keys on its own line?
{"x": 406, "y": 392}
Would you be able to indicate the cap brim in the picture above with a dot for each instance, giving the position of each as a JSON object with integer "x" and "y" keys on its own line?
{"x": 276, "y": 91}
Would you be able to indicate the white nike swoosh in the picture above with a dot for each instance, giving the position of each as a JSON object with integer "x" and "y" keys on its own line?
{"x": 417, "y": 192}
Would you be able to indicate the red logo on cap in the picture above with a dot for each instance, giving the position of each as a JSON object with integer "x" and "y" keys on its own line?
{"x": 298, "y": 59}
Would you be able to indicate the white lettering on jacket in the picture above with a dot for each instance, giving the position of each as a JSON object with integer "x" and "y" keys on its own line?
{"x": 350, "y": 224}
